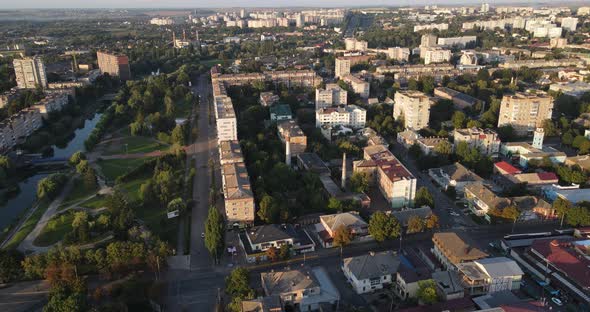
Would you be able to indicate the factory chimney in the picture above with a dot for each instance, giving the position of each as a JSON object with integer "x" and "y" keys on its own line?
{"x": 343, "y": 171}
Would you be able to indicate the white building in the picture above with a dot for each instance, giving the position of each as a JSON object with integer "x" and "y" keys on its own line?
{"x": 457, "y": 41}
{"x": 332, "y": 95}
{"x": 413, "y": 107}
{"x": 398, "y": 54}
{"x": 441, "y": 26}
{"x": 30, "y": 73}
{"x": 372, "y": 271}
{"x": 227, "y": 125}
{"x": 342, "y": 67}
{"x": 348, "y": 116}
{"x": 436, "y": 55}
{"x": 485, "y": 140}
{"x": 162, "y": 21}
{"x": 569, "y": 23}
{"x": 489, "y": 275}
{"x": 353, "y": 44}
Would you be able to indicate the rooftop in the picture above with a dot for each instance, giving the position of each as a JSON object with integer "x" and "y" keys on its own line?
{"x": 230, "y": 150}
{"x": 562, "y": 255}
{"x": 507, "y": 168}
{"x": 290, "y": 128}
{"x": 236, "y": 181}
{"x": 373, "y": 265}
{"x": 486, "y": 195}
{"x": 347, "y": 219}
{"x": 280, "y": 110}
{"x": 456, "y": 248}
{"x": 458, "y": 172}
{"x": 286, "y": 281}
{"x": 388, "y": 163}
{"x": 404, "y": 215}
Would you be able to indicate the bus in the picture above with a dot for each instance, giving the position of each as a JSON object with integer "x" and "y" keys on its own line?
{"x": 527, "y": 235}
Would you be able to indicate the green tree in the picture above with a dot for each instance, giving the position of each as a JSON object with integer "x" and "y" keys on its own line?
{"x": 342, "y": 237}
{"x": 178, "y": 135}
{"x": 444, "y": 148}
{"x": 432, "y": 222}
{"x": 177, "y": 204}
{"x": 334, "y": 204}
{"x": 423, "y": 198}
{"x": 10, "y": 265}
{"x": 269, "y": 209}
{"x": 214, "y": 231}
{"x": 237, "y": 285}
{"x": 458, "y": 119}
{"x": 80, "y": 226}
{"x": 427, "y": 292}
{"x": 579, "y": 215}
{"x": 383, "y": 226}
{"x": 89, "y": 177}
{"x": 415, "y": 225}
{"x": 76, "y": 158}
{"x": 511, "y": 213}
{"x": 359, "y": 182}
{"x": 562, "y": 206}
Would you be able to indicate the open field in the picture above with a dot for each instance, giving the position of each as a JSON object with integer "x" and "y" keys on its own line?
{"x": 55, "y": 230}
{"x": 113, "y": 168}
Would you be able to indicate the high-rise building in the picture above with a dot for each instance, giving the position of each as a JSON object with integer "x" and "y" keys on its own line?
{"x": 525, "y": 111}
{"x": 353, "y": 44}
{"x": 398, "y": 54}
{"x": 358, "y": 85}
{"x": 114, "y": 64}
{"x": 30, "y": 73}
{"x": 348, "y": 116}
{"x": 413, "y": 107}
{"x": 569, "y": 23}
{"x": 485, "y": 8}
{"x": 342, "y": 67}
{"x": 332, "y": 95}
{"x": 436, "y": 55}
{"x": 428, "y": 41}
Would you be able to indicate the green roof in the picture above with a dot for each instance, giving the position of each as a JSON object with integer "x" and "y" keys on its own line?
{"x": 280, "y": 110}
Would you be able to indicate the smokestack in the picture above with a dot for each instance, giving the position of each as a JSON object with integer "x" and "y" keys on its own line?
{"x": 343, "y": 171}
{"x": 183, "y": 35}
{"x": 288, "y": 151}
{"x": 174, "y": 39}
{"x": 197, "y": 36}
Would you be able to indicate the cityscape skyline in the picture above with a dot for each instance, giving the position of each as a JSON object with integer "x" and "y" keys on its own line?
{"x": 137, "y": 4}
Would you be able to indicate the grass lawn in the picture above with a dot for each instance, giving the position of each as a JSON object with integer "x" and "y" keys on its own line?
{"x": 131, "y": 188}
{"x": 135, "y": 145}
{"x": 56, "y": 229}
{"x": 212, "y": 62}
{"x": 95, "y": 202}
{"x": 28, "y": 226}
{"x": 78, "y": 193}
{"x": 114, "y": 168}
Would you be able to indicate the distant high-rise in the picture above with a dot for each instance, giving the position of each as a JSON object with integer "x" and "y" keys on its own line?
{"x": 525, "y": 111}
{"x": 114, "y": 64}
{"x": 30, "y": 73}
{"x": 342, "y": 67}
{"x": 242, "y": 13}
{"x": 485, "y": 8}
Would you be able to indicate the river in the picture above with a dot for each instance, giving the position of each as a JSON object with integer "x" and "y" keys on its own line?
{"x": 15, "y": 206}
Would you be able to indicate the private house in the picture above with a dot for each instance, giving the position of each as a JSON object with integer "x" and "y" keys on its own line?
{"x": 302, "y": 289}
{"x": 428, "y": 145}
{"x": 455, "y": 175}
{"x": 330, "y": 223}
{"x": 489, "y": 275}
{"x": 372, "y": 271}
{"x": 403, "y": 216}
{"x": 450, "y": 250}
{"x": 263, "y": 304}
{"x": 258, "y": 239}
{"x": 481, "y": 199}
{"x": 411, "y": 271}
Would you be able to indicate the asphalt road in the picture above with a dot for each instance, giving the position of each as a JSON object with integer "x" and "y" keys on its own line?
{"x": 201, "y": 151}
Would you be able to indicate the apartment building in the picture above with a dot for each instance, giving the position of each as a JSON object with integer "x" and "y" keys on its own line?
{"x": 414, "y": 69}
{"x": 358, "y": 85}
{"x": 413, "y": 107}
{"x": 162, "y": 21}
{"x": 332, "y": 95}
{"x": 525, "y": 111}
{"x": 457, "y": 41}
{"x": 395, "y": 181}
{"x": 352, "y": 44}
{"x": 569, "y": 23}
{"x": 237, "y": 193}
{"x": 116, "y": 65}
{"x": 436, "y": 55}
{"x": 348, "y": 116}
{"x": 227, "y": 125}
{"x": 428, "y": 41}
{"x": 342, "y": 67}
{"x": 230, "y": 152}
{"x": 440, "y": 26}
{"x": 262, "y": 23}
{"x": 290, "y": 131}
{"x": 30, "y": 73}
{"x": 398, "y": 54}
{"x": 268, "y": 99}
{"x": 485, "y": 140}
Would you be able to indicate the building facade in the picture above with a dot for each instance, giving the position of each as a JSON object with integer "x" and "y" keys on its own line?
{"x": 332, "y": 95}
{"x": 116, "y": 65}
{"x": 485, "y": 140}
{"x": 30, "y": 73}
{"x": 413, "y": 107}
{"x": 525, "y": 111}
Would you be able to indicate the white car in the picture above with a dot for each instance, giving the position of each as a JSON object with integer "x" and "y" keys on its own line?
{"x": 557, "y": 301}
{"x": 455, "y": 214}
{"x": 202, "y": 235}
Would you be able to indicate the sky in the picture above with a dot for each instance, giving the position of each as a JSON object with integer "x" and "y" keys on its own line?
{"x": 11, "y": 4}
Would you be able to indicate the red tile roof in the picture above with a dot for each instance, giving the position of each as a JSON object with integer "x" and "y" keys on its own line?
{"x": 506, "y": 167}
{"x": 563, "y": 256}
{"x": 547, "y": 176}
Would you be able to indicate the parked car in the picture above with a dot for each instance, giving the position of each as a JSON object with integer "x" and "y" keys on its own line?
{"x": 556, "y": 301}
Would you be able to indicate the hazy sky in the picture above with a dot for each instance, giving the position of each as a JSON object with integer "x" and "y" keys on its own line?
{"x": 11, "y": 4}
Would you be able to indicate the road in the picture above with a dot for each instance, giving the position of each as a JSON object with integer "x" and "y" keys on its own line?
{"x": 202, "y": 150}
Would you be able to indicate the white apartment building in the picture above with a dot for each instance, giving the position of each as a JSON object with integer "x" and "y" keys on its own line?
{"x": 398, "y": 54}
{"x": 347, "y": 116}
{"x": 262, "y": 23}
{"x": 358, "y": 85}
{"x": 525, "y": 111}
{"x": 162, "y": 21}
{"x": 457, "y": 41}
{"x": 332, "y": 95}
{"x": 485, "y": 140}
{"x": 547, "y": 31}
{"x": 413, "y": 107}
{"x": 569, "y": 23}
{"x": 227, "y": 125}
{"x": 342, "y": 67}
{"x": 441, "y": 26}
{"x": 352, "y": 44}
{"x": 436, "y": 55}
{"x": 30, "y": 73}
